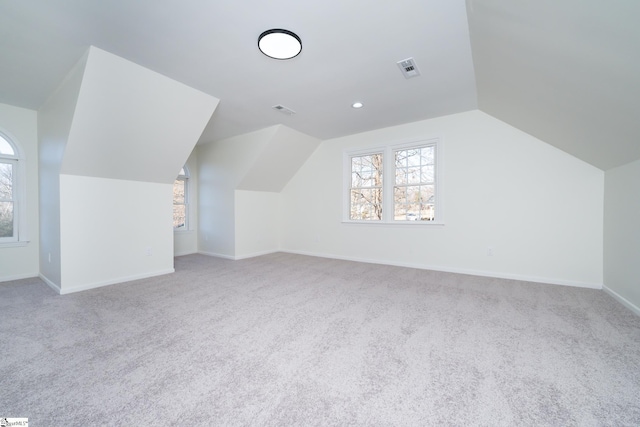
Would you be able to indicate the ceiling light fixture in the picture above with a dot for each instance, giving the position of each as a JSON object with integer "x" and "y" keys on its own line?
{"x": 357, "y": 105}
{"x": 280, "y": 44}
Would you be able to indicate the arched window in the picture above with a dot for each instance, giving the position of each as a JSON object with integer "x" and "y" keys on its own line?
{"x": 11, "y": 191}
{"x": 181, "y": 200}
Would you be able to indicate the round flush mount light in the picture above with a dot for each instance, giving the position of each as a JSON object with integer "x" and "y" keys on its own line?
{"x": 357, "y": 105}
{"x": 280, "y": 44}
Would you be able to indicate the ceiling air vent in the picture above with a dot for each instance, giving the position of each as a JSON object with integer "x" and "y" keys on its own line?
{"x": 409, "y": 68}
{"x": 283, "y": 109}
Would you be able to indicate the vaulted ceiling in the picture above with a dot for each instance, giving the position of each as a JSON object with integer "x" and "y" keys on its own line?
{"x": 565, "y": 72}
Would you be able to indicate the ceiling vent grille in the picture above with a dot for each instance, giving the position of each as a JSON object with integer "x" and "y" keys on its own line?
{"x": 409, "y": 68}
{"x": 284, "y": 110}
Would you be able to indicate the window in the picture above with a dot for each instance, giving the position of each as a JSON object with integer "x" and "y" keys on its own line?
{"x": 395, "y": 184}
{"x": 414, "y": 188}
{"x": 11, "y": 196}
{"x": 366, "y": 187}
{"x": 181, "y": 200}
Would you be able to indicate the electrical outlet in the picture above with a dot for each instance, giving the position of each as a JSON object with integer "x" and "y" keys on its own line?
{"x": 148, "y": 251}
{"x": 489, "y": 250}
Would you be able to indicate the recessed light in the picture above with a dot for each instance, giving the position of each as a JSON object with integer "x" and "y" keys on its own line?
{"x": 279, "y": 44}
{"x": 357, "y": 105}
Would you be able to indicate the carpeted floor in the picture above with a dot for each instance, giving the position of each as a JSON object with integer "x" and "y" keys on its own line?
{"x": 289, "y": 340}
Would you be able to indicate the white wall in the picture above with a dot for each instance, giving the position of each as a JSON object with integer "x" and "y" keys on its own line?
{"x": 221, "y": 167}
{"x": 17, "y": 262}
{"x": 257, "y": 223}
{"x": 132, "y": 123}
{"x": 54, "y": 122}
{"x": 186, "y": 241}
{"x": 622, "y": 234}
{"x": 131, "y": 130}
{"x": 540, "y": 209}
{"x": 240, "y": 181}
{"x": 278, "y": 160}
{"x": 113, "y": 231}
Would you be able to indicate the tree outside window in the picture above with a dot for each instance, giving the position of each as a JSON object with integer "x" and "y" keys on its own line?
{"x": 8, "y": 214}
{"x": 181, "y": 201}
{"x": 366, "y": 187}
{"x": 394, "y": 184}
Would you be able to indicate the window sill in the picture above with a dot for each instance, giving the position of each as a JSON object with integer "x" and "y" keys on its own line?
{"x": 183, "y": 231}
{"x": 395, "y": 223}
{"x": 14, "y": 244}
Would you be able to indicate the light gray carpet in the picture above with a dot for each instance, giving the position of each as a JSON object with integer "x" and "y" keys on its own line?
{"x": 288, "y": 340}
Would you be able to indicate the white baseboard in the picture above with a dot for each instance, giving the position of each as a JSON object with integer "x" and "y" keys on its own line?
{"x": 497, "y": 275}
{"x": 239, "y": 257}
{"x": 255, "y": 254}
{"x": 114, "y": 281}
{"x": 19, "y": 277}
{"x": 185, "y": 253}
{"x": 622, "y": 300}
{"x": 52, "y": 285}
{"x": 216, "y": 255}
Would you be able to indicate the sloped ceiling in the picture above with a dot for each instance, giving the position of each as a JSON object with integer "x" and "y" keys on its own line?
{"x": 268, "y": 172}
{"x": 565, "y": 71}
{"x": 132, "y": 123}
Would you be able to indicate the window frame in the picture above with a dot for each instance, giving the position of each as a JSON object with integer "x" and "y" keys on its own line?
{"x": 185, "y": 178}
{"x": 389, "y": 181}
{"x": 349, "y": 180}
{"x": 18, "y": 192}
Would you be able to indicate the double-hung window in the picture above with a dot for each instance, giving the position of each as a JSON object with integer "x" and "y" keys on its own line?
{"x": 398, "y": 184}
{"x": 365, "y": 191}
{"x": 181, "y": 201}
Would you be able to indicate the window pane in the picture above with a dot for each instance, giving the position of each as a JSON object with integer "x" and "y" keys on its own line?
{"x": 366, "y": 171}
{"x": 366, "y": 204}
{"x": 427, "y": 174}
{"x": 400, "y": 203}
{"x": 427, "y": 155}
{"x": 401, "y": 159}
{"x": 413, "y": 175}
{"x": 5, "y": 147}
{"x": 6, "y": 219}
{"x": 401, "y": 176}
{"x": 413, "y": 197}
{"x": 427, "y": 213}
{"x": 365, "y": 198}
{"x": 427, "y": 194}
{"x": 179, "y": 216}
{"x": 415, "y": 184}
{"x": 6, "y": 181}
{"x": 178, "y": 191}
{"x": 413, "y": 157}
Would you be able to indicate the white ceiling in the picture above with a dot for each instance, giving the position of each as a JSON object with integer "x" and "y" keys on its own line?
{"x": 564, "y": 71}
{"x": 567, "y": 72}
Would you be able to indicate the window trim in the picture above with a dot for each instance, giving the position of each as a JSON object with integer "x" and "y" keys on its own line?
{"x": 388, "y": 182}
{"x": 186, "y": 179}
{"x": 20, "y": 236}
